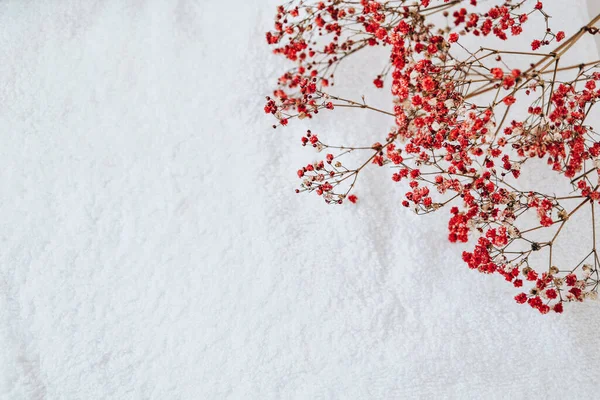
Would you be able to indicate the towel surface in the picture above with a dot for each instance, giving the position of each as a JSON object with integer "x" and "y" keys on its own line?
{"x": 152, "y": 246}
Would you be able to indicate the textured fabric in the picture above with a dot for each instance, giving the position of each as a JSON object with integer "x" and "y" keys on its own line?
{"x": 151, "y": 245}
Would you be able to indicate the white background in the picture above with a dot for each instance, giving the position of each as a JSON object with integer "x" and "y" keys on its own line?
{"x": 151, "y": 245}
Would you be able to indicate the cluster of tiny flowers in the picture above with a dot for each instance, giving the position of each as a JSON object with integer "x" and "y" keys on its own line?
{"x": 448, "y": 144}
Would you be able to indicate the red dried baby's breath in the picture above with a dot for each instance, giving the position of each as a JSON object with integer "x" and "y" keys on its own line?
{"x": 456, "y": 140}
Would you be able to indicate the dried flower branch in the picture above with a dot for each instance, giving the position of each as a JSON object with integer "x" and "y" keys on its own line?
{"x": 466, "y": 123}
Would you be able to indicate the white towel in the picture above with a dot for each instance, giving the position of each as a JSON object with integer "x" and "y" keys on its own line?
{"x": 152, "y": 245}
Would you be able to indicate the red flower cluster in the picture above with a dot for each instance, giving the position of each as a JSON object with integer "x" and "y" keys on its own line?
{"x": 455, "y": 139}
